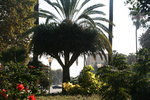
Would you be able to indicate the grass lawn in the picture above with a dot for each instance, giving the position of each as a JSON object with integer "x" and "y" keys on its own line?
{"x": 77, "y": 97}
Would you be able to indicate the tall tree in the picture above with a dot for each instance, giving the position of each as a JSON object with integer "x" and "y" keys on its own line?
{"x": 136, "y": 17}
{"x": 12, "y": 24}
{"x": 138, "y": 11}
{"x": 73, "y": 32}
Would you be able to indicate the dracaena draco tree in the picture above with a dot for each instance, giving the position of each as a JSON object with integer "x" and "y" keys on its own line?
{"x": 75, "y": 31}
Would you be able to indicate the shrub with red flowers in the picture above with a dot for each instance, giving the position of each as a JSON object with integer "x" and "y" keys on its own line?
{"x": 19, "y": 93}
{"x": 18, "y": 82}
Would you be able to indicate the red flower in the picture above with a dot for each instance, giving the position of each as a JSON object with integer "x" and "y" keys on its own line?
{"x": 2, "y": 92}
{"x": 31, "y": 97}
{"x": 20, "y": 87}
{"x": 31, "y": 66}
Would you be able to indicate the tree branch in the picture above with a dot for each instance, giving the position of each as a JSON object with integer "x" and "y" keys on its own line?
{"x": 73, "y": 58}
{"x": 59, "y": 60}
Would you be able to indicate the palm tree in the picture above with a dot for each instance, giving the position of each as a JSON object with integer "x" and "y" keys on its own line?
{"x": 75, "y": 31}
{"x": 138, "y": 20}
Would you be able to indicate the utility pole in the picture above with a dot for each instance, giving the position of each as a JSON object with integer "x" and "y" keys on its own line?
{"x": 35, "y": 56}
{"x": 110, "y": 27}
{"x": 36, "y": 8}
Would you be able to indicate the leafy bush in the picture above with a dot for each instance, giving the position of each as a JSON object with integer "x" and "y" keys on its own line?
{"x": 88, "y": 83}
{"x": 140, "y": 88}
{"x": 14, "y": 54}
{"x": 119, "y": 61}
{"x": 71, "y": 88}
{"x": 117, "y": 83}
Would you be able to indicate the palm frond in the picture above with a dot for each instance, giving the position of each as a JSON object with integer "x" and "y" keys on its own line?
{"x": 50, "y": 15}
{"x": 85, "y": 23}
{"x": 95, "y": 12}
{"x": 54, "y": 6}
{"x": 83, "y": 16}
{"x": 83, "y": 4}
{"x": 73, "y": 7}
{"x": 103, "y": 20}
{"x": 92, "y": 8}
{"x": 106, "y": 42}
{"x": 103, "y": 27}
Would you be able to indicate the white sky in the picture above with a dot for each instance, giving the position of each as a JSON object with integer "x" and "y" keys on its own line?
{"x": 123, "y": 32}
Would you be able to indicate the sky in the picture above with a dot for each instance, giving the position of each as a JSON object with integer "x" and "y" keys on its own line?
{"x": 123, "y": 32}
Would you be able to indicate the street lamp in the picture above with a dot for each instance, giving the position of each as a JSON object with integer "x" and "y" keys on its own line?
{"x": 50, "y": 59}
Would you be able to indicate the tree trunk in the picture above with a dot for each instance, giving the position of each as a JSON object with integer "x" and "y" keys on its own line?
{"x": 66, "y": 77}
{"x": 66, "y": 74}
{"x": 136, "y": 39}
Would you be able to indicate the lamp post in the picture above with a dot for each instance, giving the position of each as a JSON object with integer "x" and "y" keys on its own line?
{"x": 50, "y": 59}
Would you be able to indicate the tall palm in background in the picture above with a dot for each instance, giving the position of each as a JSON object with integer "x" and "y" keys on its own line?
{"x": 69, "y": 31}
{"x": 138, "y": 20}
{"x": 136, "y": 17}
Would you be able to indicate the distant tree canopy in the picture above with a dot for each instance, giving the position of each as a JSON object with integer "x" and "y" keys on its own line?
{"x": 145, "y": 6}
{"x": 12, "y": 23}
{"x": 140, "y": 6}
{"x": 145, "y": 39}
{"x": 57, "y": 76}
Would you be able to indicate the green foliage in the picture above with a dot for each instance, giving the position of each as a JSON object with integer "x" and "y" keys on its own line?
{"x": 119, "y": 61}
{"x": 140, "y": 88}
{"x": 12, "y": 23}
{"x": 46, "y": 36}
{"x": 143, "y": 66}
{"x": 117, "y": 83}
{"x": 145, "y": 39}
{"x": 130, "y": 82}
{"x": 143, "y": 5}
{"x": 14, "y": 54}
{"x": 131, "y": 58}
